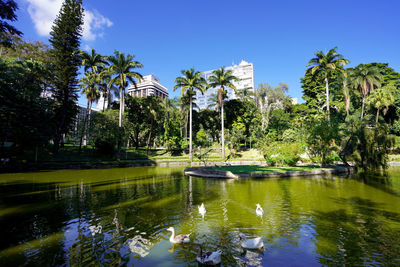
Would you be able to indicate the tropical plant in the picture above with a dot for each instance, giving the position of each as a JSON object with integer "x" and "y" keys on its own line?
{"x": 93, "y": 61}
{"x": 222, "y": 78}
{"x": 189, "y": 82}
{"x": 364, "y": 78}
{"x": 122, "y": 68}
{"x": 90, "y": 88}
{"x": 327, "y": 64}
{"x": 246, "y": 94}
{"x": 381, "y": 98}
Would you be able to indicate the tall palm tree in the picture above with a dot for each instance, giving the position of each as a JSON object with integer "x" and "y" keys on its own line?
{"x": 381, "y": 98}
{"x": 345, "y": 79}
{"x": 107, "y": 88}
{"x": 92, "y": 61}
{"x": 222, "y": 78}
{"x": 184, "y": 106}
{"x": 123, "y": 68}
{"x": 364, "y": 79}
{"x": 327, "y": 64}
{"x": 90, "y": 88}
{"x": 189, "y": 82}
{"x": 214, "y": 103}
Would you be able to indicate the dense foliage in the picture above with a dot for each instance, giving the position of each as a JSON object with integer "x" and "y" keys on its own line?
{"x": 348, "y": 114}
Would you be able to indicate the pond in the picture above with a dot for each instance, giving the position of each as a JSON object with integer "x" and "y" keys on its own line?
{"x": 120, "y": 217}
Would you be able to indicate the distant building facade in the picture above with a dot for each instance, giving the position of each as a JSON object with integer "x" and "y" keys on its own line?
{"x": 150, "y": 85}
{"x": 244, "y": 71}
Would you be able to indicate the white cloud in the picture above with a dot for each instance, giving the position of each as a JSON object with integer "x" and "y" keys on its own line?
{"x": 87, "y": 48}
{"x": 43, "y": 13}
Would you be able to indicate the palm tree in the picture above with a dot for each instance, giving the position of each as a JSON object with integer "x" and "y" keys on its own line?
{"x": 92, "y": 61}
{"x": 245, "y": 94}
{"x": 184, "y": 106}
{"x": 122, "y": 67}
{"x": 214, "y": 101}
{"x": 364, "y": 79}
{"x": 261, "y": 98}
{"x": 189, "y": 82}
{"x": 327, "y": 64}
{"x": 345, "y": 79}
{"x": 222, "y": 78}
{"x": 381, "y": 98}
{"x": 106, "y": 87}
{"x": 90, "y": 88}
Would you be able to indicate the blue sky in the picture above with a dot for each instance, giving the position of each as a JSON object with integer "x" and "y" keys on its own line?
{"x": 279, "y": 37}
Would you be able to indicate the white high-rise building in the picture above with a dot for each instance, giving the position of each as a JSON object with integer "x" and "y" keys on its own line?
{"x": 149, "y": 85}
{"x": 244, "y": 71}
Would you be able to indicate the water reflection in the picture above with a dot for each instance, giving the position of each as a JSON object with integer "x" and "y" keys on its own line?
{"x": 120, "y": 217}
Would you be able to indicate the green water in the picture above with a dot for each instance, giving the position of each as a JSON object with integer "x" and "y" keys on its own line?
{"x": 120, "y": 216}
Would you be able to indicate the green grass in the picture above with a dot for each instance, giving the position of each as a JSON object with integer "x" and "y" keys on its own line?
{"x": 69, "y": 155}
{"x": 264, "y": 169}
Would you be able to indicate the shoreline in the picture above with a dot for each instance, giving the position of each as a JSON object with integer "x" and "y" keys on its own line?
{"x": 82, "y": 166}
{"x": 208, "y": 172}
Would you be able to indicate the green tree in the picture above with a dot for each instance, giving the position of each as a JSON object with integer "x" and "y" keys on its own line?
{"x": 26, "y": 118}
{"x": 364, "y": 79}
{"x": 123, "y": 68}
{"x": 189, "y": 82}
{"x": 381, "y": 98}
{"x": 93, "y": 61}
{"x": 65, "y": 39}
{"x": 7, "y": 12}
{"x": 105, "y": 131}
{"x": 327, "y": 64}
{"x": 271, "y": 98}
{"x": 245, "y": 94}
{"x": 222, "y": 78}
{"x": 90, "y": 88}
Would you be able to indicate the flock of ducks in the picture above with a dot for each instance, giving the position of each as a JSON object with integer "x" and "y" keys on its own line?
{"x": 214, "y": 257}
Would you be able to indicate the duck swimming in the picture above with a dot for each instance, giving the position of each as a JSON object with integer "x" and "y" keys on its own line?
{"x": 209, "y": 258}
{"x": 254, "y": 243}
{"x": 179, "y": 239}
{"x": 202, "y": 210}
{"x": 259, "y": 210}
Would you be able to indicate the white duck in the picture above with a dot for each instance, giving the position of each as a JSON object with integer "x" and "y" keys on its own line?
{"x": 259, "y": 210}
{"x": 254, "y": 243}
{"x": 202, "y": 210}
{"x": 179, "y": 239}
{"x": 209, "y": 258}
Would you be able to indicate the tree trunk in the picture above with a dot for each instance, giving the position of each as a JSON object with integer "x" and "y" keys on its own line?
{"x": 83, "y": 134}
{"x": 377, "y": 116}
{"x": 104, "y": 100}
{"x": 88, "y": 123}
{"x": 362, "y": 107}
{"x": 120, "y": 124}
{"x": 190, "y": 131}
{"x": 327, "y": 97}
{"x": 262, "y": 117}
{"x": 222, "y": 131}
{"x": 148, "y": 140}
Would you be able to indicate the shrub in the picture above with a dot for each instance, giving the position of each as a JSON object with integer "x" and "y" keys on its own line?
{"x": 289, "y": 135}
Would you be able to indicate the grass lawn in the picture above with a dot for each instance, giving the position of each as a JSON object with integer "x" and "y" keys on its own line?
{"x": 264, "y": 169}
{"x": 69, "y": 154}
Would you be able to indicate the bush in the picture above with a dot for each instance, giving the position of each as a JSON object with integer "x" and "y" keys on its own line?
{"x": 280, "y": 153}
{"x": 289, "y": 153}
{"x": 289, "y": 135}
{"x": 105, "y": 131}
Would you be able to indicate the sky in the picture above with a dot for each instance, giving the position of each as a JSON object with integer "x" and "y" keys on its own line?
{"x": 278, "y": 37}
